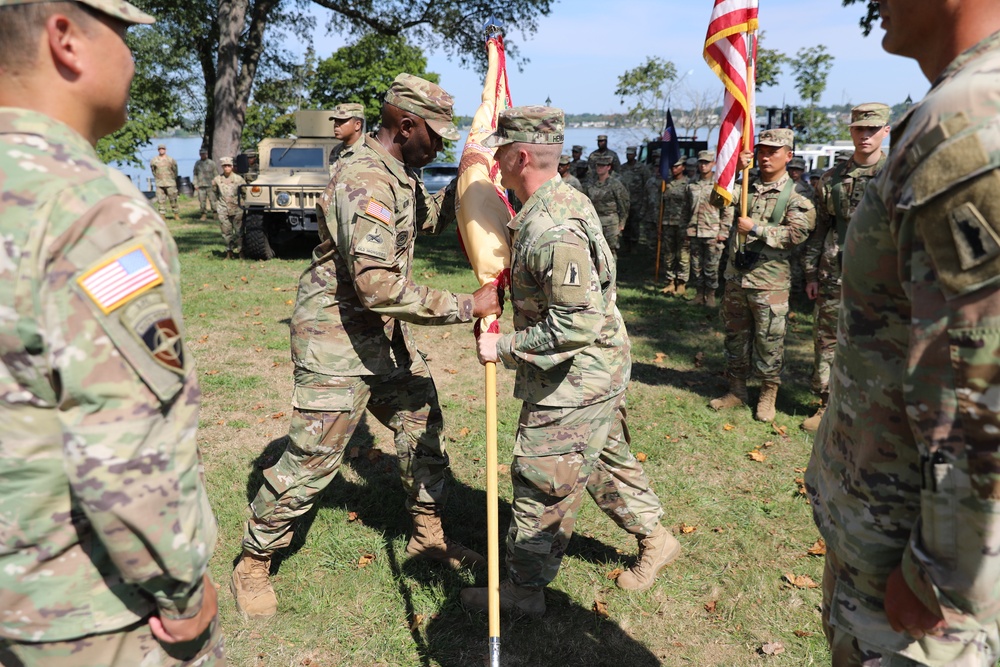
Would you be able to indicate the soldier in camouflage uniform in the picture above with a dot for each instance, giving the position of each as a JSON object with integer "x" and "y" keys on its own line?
{"x": 758, "y": 279}
{"x": 571, "y": 434}
{"x": 352, "y": 347}
{"x": 707, "y": 229}
{"x": 164, "y": 170}
{"x": 227, "y": 196}
{"x": 601, "y": 152}
{"x": 205, "y": 172}
{"x": 904, "y": 479}
{"x": 676, "y": 244}
{"x": 348, "y": 126}
{"x": 578, "y": 166}
{"x": 633, "y": 175}
{"x": 839, "y": 194}
{"x": 796, "y": 171}
{"x": 652, "y": 192}
{"x": 565, "y": 163}
{"x": 105, "y": 526}
{"x": 611, "y": 200}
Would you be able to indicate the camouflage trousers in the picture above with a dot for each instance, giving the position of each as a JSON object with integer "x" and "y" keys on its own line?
{"x": 327, "y": 411}
{"x": 676, "y": 252}
{"x": 633, "y": 231}
{"x": 612, "y": 235}
{"x": 559, "y": 453}
{"x": 859, "y": 633}
{"x": 825, "y": 335}
{"x": 134, "y": 646}
{"x": 163, "y": 193}
{"x": 705, "y": 256}
{"x": 231, "y": 226}
{"x": 206, "y": 199}
{"x": 754, "y": 322}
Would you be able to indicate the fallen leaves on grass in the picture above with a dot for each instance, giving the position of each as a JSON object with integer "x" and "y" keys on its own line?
{"x": 772, "y": 648}
{"x": 728, "y": 427}
{"x": 640, "y": 457}
{"x": 277, "y": 415}
{"x": 817, "y": 549}
{"x": 802, "y": 633}
{"x": 416, "y": 621}
{"x": 798, "y": 469}
{"x": 290, "y": 302}
{"x": 768, "y": 443}
{"x": 686, "y": 529}
{"x": 366, "y": 560}
{"x": 212, "y": 372}
{"x": 446, "y": 335}
{"x": 352, "y": 516}
{"x": 756, "y": 455}
{"x": 613, "y": 574}
{"x": 699, "y": 359}
{"x": 503, "y": 469}
{"x": 800, "y": 580}
{"x": 374, "y": 455}
{"x": 601, "y": 608}
{"x": 464, "y": 431}
{"x": 780, "y": 430}
{"x": 451, "y": 371}
{"x": 710, "y": 606}
{"x": 801, "y": 486}
{"x": 354, "y": 452}
{"x": 225, "y": 286}
{"x": 659, "y": 358}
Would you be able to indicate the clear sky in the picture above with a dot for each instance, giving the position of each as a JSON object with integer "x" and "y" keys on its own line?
{"x": 583, "y": 46}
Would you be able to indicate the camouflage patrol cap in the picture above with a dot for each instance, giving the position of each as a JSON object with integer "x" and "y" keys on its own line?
{"x": 225, "y": 161}
{"x": 706, "y": 156}
{"x": 680, "y": 162}
{"x": 202, "y": 151}
{"x": 691, "y": 162}
{"x": 118, "y": 9}
{"x": 529, "y": 125}
{"x": 631, "y": 150}
{"x": 348, "y": 110}
{"x": 565, "y": 159}
{"x": 577, "y": 148}
{"x": 158, "y": 146}
{"x": 872, "y": 114}
{"x": 797, "y": 163}
{"x": 425, "y": 99}
{"x": 781, "y": 136}
{"x": 603, "y": 160}
{"x": 602, "y": 137}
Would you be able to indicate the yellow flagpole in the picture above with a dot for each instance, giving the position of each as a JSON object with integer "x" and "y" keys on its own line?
{"x": 492, "y": 516}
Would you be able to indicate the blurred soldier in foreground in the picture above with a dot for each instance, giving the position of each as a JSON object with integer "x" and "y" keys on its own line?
{"x": 105, "y": 527}
{"x": 758, "y": 279}
{"x": 838, "y": 196}
{"x": 351, "y": 345}
{"x": 676, "y": 246}
{"x": 564, "y": 173}
{"x": 571, "y": 353}
{"x": 205, "y": 172}
{"x": 611, "y": 200}
{"x": 707, "y": 230}
{"x": 905, "y": 473}
{"x": 164, "y": 170}
{"x": 633, "y": 175}
{"x": 227, "y": 196}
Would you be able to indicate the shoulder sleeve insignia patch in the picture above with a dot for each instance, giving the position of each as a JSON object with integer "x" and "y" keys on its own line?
{"x": 378, "y": 211}
{"x": 569, "y": 285}
{"x": 120, "y": 279}
{"x": 371, "y": 239}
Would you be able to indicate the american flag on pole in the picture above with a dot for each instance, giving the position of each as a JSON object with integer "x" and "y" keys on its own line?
{"x": 119, "y": 279}
{"x": 730, "y": 50}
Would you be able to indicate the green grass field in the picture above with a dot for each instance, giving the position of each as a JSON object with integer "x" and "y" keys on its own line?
{"x": 743, "y": 523}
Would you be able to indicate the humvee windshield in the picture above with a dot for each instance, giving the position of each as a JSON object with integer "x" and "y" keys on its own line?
{"x": 299, "y": 158}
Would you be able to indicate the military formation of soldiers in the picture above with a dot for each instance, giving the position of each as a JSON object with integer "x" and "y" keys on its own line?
{"x": 105, "y": 526}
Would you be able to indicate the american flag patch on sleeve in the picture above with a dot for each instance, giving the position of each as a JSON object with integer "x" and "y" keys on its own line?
{"x": 378, "y": 211}
{"x": 120, "y": 279}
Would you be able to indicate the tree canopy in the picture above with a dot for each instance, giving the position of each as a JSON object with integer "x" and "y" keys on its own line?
{"x": 867, "y": 22}
{"x": 648, "y": 88}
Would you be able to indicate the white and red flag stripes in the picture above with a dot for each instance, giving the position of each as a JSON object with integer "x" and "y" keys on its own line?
{"x": 120, "y": 278}
{"x": 730, "y": 50}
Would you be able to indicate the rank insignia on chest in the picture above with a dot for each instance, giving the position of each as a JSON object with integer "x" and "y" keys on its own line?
{"x": 378, "y": 211}
{"x": 120, "y": 279}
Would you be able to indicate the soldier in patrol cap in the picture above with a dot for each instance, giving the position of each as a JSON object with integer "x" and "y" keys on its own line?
{"x": 633, "y": 175}
{"x": 226, "y": 187}
{"x": 351, "y": 342}
{"x": 676, "y": 244}
{"x": 758, "y": 274}
{"x": 105, "y": 527}
{"x": 610, "y": 198}
{"x": 578, "y": 166}
{"x": 572, "y": 435}
{"x": 602, "y": 150}
{"x": 164, "y": 170}
{"x": 903, "y": 480}
{"x": 564, "y": 172}
{"x": 707, "y": 230}
{"x": 348, "y": 126}
{"x": 839, "y": 194}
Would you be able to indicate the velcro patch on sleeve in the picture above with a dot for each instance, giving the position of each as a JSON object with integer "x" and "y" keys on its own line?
{"x": 373, "y": 240}
{"x": 118, "y": 280}
{"x": 570, "y": 274}
{"x": 378, "y": 210}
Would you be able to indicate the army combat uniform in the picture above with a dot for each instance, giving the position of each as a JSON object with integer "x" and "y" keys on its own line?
{"x": 706, "y": 224}
{"x": 104, "y": 519}
{"x": 611, "y": 201}
{"x": 227, "y": 207}
{"x": 164, "y": 170}
{"x": 755, "y": 301}
{"x": 676, "y": 246}
{"x": 904, "y": 471}
{"x": 205, "y": 171}
{"x": 634, "y": 176}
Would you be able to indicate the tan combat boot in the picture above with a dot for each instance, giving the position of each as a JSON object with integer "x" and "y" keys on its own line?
{"x": 525, "y": 599}
{"x": 656, "y": 551}
{"x": 710, "y": 298}
{"x": 251, "y": 588}
{"x": 229, "y": 253}
{"x": 429, "y": 541}
{"x": 765, "y": 404}
{"x": 202, "y": 218}
{"x": 811, "y": 424}
{"x": 735, "y": 397}
{"x": 669, "y": 289}
{"x": 680, "y": 288}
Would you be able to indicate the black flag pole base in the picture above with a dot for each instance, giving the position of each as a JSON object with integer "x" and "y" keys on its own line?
{"x": 494, "y": 652}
